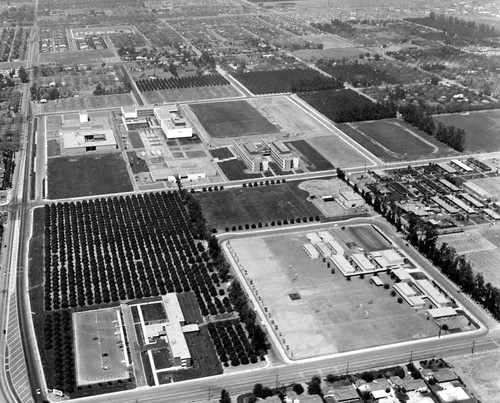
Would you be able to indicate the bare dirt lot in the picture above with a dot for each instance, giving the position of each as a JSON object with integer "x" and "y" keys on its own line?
{"x": 331, "y": 310}
{"x": 480, "y": 373}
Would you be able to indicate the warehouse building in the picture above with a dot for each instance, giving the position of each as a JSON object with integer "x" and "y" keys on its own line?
{"x": 81, "y": 135}
{"x": 172, "y": 123}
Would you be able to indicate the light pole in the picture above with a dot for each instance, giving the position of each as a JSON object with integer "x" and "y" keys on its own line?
{"x": 411, "y": 356}
{"x": 277, "y": 376}
{"x": 473, "y": 345}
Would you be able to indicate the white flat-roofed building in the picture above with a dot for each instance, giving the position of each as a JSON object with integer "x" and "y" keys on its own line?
{"x": 313, "y": 237}
{"x": 460, "y": 204}
{"x": 84, "y": 117}
{"x": 453, "y": 393}
{"x": 335, "y": 247}
{"x": 405, "y": 290}
{"x": 472, "y": 200}
{"x": 311, "y": 251}
{"x": 178, "y": 346}
{"x": 350, "y": 199}
{"x": 387, "y": 258}
{"x": 461, "y": 165}
{"x": 402, "y": 274}
{"x": 342, "y": 264}
{"x": 281, "y": 154}
{"x": 172, "y": 123}
{"x": 376, "y": 280}
{"x": 360, "y": 260}
{"x": 129, "y": 112}
{"x": 443, "y": 312}
{"x": 87, "y": 139}
{"x": 492, "y": 214}
{"x": 191, "y": 169}
{"x": 432, "y": 293}
{"x": 447, "y": 168}
{"x": 324, "y": 250}
{"x": 449, "y": 185}
{"x": 173, "y": 308}
{"x": 250, "y": 155}
{"x": 326, "y": 236}
{"x": 476, "y": 190}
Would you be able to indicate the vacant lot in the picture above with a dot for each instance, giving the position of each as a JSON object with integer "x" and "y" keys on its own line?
{"x": 87, "y": 176}
{"x": 339, "y": 152}
{"x": 257, "y": 204}
{"x": 97, "y": 344}
{"x": 391, "y": 140}
{"x": 481, "y": 128}
{"x": 110, "y": 101}
{"x": 232, "y": 119}
{"x": 480, "y": 373}
{"x": 330, "y": 310}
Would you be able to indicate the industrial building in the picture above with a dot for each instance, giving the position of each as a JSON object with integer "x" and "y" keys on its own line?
{"x": 172, "y": 123}
{"x": 280, "y": 154}
{"x": 87, "y": 135}
{"x": 250, "y": 155}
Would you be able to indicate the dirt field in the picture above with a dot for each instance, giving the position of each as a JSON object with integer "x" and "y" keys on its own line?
{"x": 491, "y": 185}
{"x": 480, "y": 373}
{"x": 338, "y": 152}
{"x": 98, "y": 355}
{"x": 330, "y": 309}
{"x": 329, "y": 52}
{"x": 481, "y": 128}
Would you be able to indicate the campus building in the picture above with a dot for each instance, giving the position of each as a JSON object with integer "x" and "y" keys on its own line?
{"x": 86, "y": 135}
{"x": 172, "y": 123}
{"x": 280, "y": 153}
{"x": 350, "y": 199}
{"x": 250, "y": 155}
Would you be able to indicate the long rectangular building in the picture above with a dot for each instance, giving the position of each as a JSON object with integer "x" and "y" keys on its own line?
{"x": 362, "y": 262}
{"x": 250, "y": 155}
{"x": 432, "y": 293}
{"x": 447, "y": 207}
{"x": 342, "y": 264}
{"x": 462, "y": 205}
{"x": 462, "y": 166}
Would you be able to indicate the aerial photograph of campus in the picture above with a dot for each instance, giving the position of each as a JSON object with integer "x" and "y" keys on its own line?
{"x": 241, "y": 201}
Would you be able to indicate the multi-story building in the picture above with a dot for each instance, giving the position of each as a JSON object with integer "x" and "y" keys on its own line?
{"x": 250, "y": 155}
{"x": 280, "y": 153}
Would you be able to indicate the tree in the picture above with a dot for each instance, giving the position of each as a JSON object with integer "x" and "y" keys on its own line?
{"x": 224, "y": 397}
{"x": 298, "y": 388}
{"x": 23, "y": 75}
{"x": 314, "y": 387}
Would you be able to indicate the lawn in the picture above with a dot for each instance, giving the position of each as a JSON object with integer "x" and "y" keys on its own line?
{"x": 137, "y": 164}
{"x": 87, "y": 176}
{"x": 392, "y": 140}
{"x": 481, "y": 128}
{"x": 313, "y": 159}
{"x": 330, "y": 310}
{"x": 264, "y": 204}
{"x": 232, "y": 119}
{"x": 234, "y": 170}
{"x": 205, "y": 360}
{"x": 135, "y": 139}
{"x": 153, "y": 311}
{"x": 190, "y": 308}
{"x": 221, "y": 153}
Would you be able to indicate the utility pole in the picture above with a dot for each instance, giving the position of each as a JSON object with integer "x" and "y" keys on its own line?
{"x": 347, "y": 369}
{"x": 411, "y": 356}
{"x": 277, "y": 376}
{"x": 473, "y": 345}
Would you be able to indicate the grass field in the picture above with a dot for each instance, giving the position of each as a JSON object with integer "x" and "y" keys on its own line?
{"x": 98, "y": 355}
{"x": 257, "y": 204}
{"x": 232, "y": 119}
{"x": 205, "y": 359}
{"x": 392, "y": 140}
{"x": 221, "y": 153}
{"x": 135, "y": 139}
{"x": 110, "y": 101}
{"x": 190, "y": 308}
{"x": 481, "y": 128}
{"x": 191, "y": 94}
{"x": 330, "y": 52}
{"x": 234, "y": 170}
{"x": 87, "y": 176}
{"x": 153, "y": 311}
{"x": 313, "y": 160}
{"x": 330, "y": 310}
